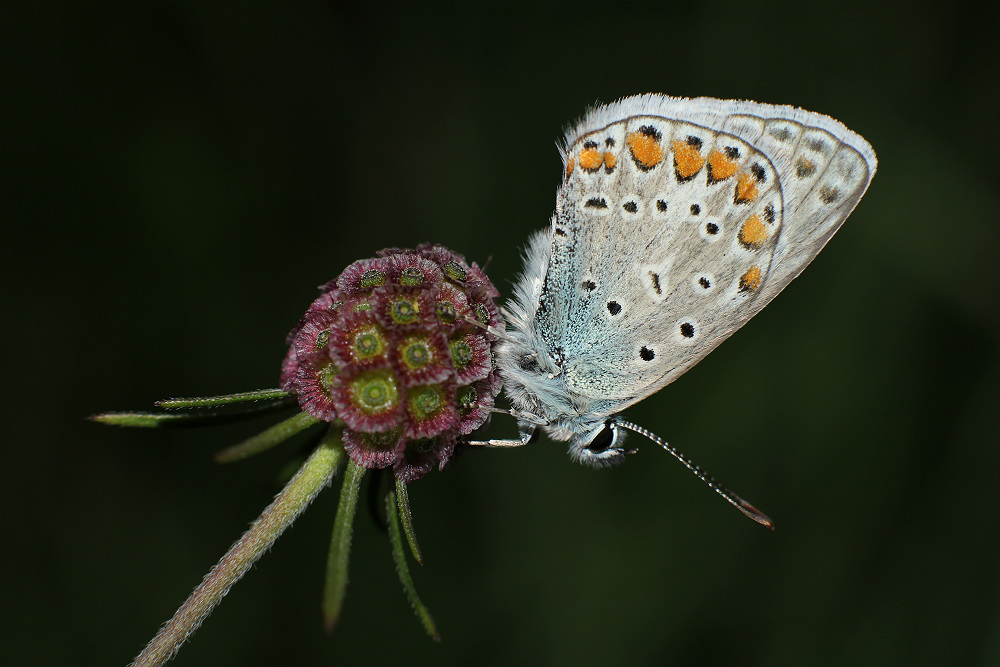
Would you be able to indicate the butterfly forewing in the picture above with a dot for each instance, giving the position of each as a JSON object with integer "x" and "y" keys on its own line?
{"x": 672, "y": 230}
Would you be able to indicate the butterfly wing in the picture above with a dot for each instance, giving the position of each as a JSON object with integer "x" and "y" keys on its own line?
{"x": 677, "y": 221}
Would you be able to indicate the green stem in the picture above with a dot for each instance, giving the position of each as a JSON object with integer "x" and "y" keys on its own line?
{"x": 267, "y": 439}
{"x": 147, "y": 419}
{"x": 215, "y": 401}
{"x": 315, "y": 473}
{"x": 398, "y": 555}
{"x": 340, "y": 545}
{"x": 159, "y": 419}
{"x": 406, "y": 516}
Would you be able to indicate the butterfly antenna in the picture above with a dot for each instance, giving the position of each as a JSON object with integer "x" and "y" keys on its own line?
{"x": 733, "y": 499}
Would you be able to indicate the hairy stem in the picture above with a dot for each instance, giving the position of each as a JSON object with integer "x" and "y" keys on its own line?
{"x": 267, "y": 439}
{"x": 312, "y": 477}
{"x": 228, "y": 399}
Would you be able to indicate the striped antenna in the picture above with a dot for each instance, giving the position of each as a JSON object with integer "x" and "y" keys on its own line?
{"x": 733, "y": 499}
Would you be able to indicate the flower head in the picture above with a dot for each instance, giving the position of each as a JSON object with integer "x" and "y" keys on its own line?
{"x": 398, "y": 348}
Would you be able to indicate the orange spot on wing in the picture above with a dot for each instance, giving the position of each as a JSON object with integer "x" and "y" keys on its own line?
{"x": 687, "y": 159}
{"x": 591, "y": 159}
{"x": 746, "y": 188}
{"x": 721, "y": 166}
{"x": 645, "y": 149}
{"x": 610, "y": 160}
{"x": 753, "y": 233}
{"x": 569, "y": 167}
{"x": 750, "y": 280}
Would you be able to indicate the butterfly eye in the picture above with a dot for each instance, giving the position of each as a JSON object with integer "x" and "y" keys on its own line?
{"x": 604, "y": 449}
{"x": 604, "y": 440}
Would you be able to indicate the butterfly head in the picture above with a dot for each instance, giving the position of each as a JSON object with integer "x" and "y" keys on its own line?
{"x": 601, "y": 446}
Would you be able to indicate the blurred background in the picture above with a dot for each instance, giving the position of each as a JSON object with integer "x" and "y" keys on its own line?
{"x": 179, "y": 177}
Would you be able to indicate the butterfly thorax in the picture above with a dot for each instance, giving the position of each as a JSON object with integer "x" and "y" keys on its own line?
{"x": 540, "y": 397}
{"x": 537, "y": 377}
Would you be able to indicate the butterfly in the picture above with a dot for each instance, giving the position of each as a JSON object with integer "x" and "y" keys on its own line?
{"x": 677, "y": 220}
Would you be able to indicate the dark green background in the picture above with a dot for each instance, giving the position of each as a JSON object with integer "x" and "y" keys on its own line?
{"x": 177, "y": 179}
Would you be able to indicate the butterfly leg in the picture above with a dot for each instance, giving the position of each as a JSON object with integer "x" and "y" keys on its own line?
{"x": 529, "y": 433}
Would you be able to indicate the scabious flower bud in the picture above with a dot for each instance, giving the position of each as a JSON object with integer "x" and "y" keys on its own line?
{"x": 389, "y": 350}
